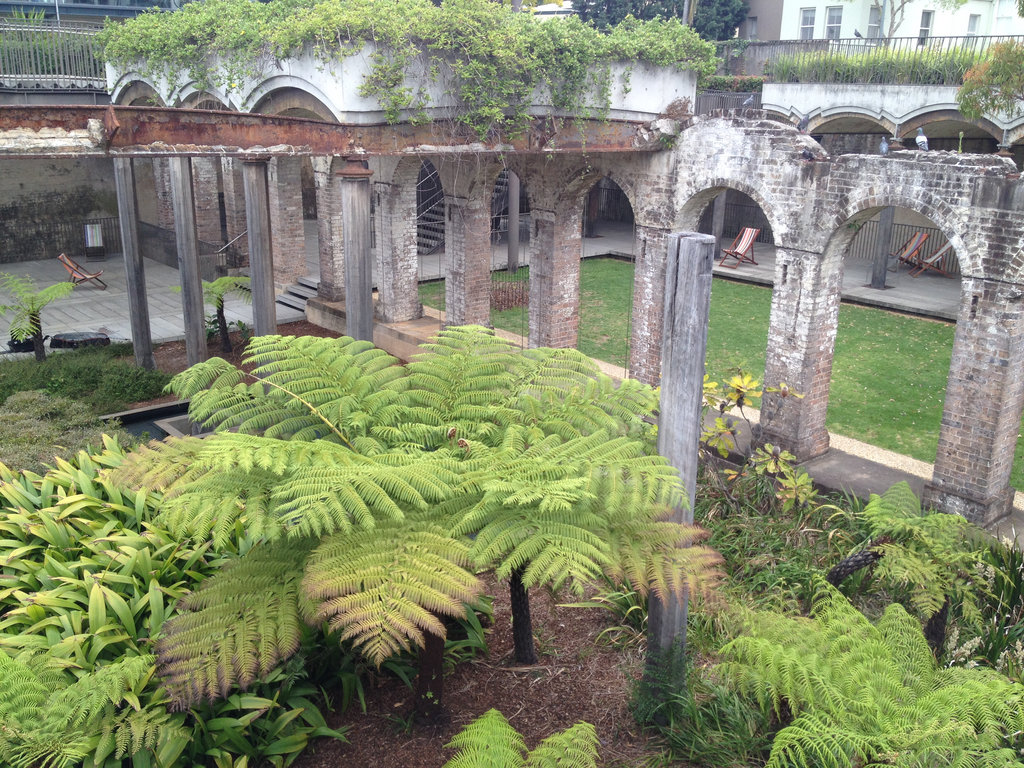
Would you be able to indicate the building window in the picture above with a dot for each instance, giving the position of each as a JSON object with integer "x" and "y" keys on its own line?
{"x": 926, "y": 27}
{"x": 751, "y": 27}
{"x": 833, "y": 22}
{"x": 973, "y": 23}
{"x": 806, "y": 23}
{"x": 875, "y": 22}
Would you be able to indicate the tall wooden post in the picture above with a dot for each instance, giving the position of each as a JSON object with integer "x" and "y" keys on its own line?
{"x": 684, "y": 342}
{"x": 513, "y": 222}
{"x": 188, "y": 259}
{"x": 718, "y": 219}
{"x": 354, "y": 190}
{"x": 261, "y": 253}
{"x": 883, "y": 246}
{"x": 138, "y": 303}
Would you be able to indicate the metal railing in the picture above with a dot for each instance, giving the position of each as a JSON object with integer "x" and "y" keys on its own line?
{"x": 43, "y": 54}
{"x": 709, "y": 101}
{"x": 898, "y": 60}
{"x": 865, "y": 243}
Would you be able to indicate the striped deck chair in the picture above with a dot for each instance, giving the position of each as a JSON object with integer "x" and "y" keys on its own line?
{"x": 77, "y": 275}
{"x": 919, "y": 266}
{"x": 742, "y": 248}
{"x": 907, "y": 253}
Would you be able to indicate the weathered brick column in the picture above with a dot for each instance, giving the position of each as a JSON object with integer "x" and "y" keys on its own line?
{"x": 555, "y": 251}
{"x": 801, "y": 338}
{"x": 397, "y": 258}
{"x": 467, "y": 284}
{"x": 234, "y": 204}
{"x": 648, "y": 303}
{"x": 984, "y": 398}
{"x": 162, "y": 183}
{"x": 206, "y": 188}
{"x": 330, "y": 240}
{"x": 286, "y": 224}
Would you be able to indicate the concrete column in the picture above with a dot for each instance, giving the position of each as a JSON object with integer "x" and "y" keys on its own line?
{"x": 396, "y": 256}
{"x": 984, "y": 399}
{"x": 801, "y": 341}
{"x": 138, "y": 303}
{"x": 286, "y": 224}
{"x": 468, "y": 250}
{"x": 206, "y": 189}
{"x": 329, "y": 232}
{"x": 234, "y": 210}
{"x": 883, "y": 247}
{"x": 261, "y": 253}
{"x": 188, "y": 259}
{"x": 556, "y": 248}
{"x": 648, "y": 298}
{"x": 353, "y": 183}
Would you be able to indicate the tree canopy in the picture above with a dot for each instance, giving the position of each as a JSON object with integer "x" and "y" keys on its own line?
{"x": 996, "y": 84}
{"x": 718, "y": 19}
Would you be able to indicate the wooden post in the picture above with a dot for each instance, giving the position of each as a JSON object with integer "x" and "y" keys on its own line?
{"x": 883, "y": 247}
{"x": 188, "y": 259}
{"x": 513, "y": 223}
{"x": 261, "y": 252}
{"x": 354, "y": 194}
{"x": 684, "y": 342}
{"x": 138, "y": 303}
{"x": 718, "y": 219}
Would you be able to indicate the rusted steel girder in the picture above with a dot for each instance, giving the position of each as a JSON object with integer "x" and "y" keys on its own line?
{"x": 74, "y": 131}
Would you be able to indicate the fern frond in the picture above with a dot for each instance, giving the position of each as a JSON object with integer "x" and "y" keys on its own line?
{"x": 385, "y": 588}
{"x": 575, "y": 747}
{"x": 237, "y": 626}
{"x": 487, "y": 742}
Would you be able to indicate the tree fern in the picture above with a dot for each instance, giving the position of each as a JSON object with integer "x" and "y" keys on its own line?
{"x": 491, "y": 742}
{"x": 868, "y": 694}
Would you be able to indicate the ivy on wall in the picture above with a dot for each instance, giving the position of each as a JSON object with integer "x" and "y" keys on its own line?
{"x": 497, "y": 57}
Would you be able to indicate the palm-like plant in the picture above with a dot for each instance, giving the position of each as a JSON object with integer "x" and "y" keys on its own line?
{"x": 363, "y": 478}
{"x": 27, "y": 306}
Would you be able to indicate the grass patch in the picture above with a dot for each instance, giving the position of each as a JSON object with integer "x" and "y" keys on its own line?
{"x": 95, "y": 376}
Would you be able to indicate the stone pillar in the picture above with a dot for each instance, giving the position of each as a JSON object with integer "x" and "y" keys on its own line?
{"x": 397, "y": 258}
{"x": 984, "y": 398}
{"x": 648, "y": 301}
{"x": 234, "y": 207}
{"x": 188, "y": 259}
{"x": 162, "y": 183}
{"x": 138, "y": 303}
{"x": 353, "y": 184}
{"x": 261, "y": 254}
{"x": 206, "y": 189}
{"x": 467, "y": 282}
{"x": 801, "y": 341}
{"x": 329, "y": 232}
{"x": 555, "y": 252}
{"x": 286, "y": 225}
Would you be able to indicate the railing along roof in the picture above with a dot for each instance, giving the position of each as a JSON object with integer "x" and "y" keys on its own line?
{"x": 50, "y": 56}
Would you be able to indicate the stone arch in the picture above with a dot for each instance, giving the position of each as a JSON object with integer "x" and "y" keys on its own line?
{"x": 196, "y": 99}
{"x": 688, "y": 215}
{"x": 931, "y": 116}
{"x": 137, "y": 93}
{"x": 291, "y": 97}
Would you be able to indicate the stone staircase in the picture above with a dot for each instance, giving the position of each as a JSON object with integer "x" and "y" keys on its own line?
{"x": 296, "y": 294}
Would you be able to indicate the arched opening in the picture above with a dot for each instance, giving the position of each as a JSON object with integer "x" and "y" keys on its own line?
{"x": 510, "y": 264}
{"x": 607, "y": 273}
{"x": 430, "y": 238}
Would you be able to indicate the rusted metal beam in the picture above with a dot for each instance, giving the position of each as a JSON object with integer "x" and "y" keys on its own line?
{"x": 72, "y": 131}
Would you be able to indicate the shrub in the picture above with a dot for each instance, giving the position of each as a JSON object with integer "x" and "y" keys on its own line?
{"x": 733, "y": 83}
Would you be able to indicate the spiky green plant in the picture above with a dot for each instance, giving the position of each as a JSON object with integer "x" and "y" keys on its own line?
{"x": 383, "y": 469}
{"x": 27, "y": 305}
{"x": 490, "y": 741}
{"x": 855, "y": 693}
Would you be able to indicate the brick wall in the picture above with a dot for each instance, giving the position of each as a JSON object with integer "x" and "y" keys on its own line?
{"x": 286, "y": 223}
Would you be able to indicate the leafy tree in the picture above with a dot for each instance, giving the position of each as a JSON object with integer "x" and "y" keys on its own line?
{"x": 718, "y": 19}
{"x": 607, "y": 13}
{"x": 996, "y": 84}
{"x": 361, "y": 477}
{"x": 894, "y": 12}
{"x": 853, "y": 693}
{"x": 215, "y": 293}
{"x": 28, "y": 303}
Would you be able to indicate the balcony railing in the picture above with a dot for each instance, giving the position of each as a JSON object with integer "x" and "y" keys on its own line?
{"x": 45, "y": 55}
{"x": 899, "y": 61}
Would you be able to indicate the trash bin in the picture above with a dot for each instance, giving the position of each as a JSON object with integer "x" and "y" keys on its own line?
{"x": 94, "y": 250}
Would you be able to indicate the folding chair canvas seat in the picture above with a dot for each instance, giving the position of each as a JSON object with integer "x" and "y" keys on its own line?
{"x": 77, "y": 275}
{"x": 907, "y": 252}
{"x": 742, "y": 248}
{"x": 918, "y": 265}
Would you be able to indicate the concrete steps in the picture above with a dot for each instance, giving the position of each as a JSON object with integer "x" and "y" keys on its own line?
{"x": 297, "y": 294}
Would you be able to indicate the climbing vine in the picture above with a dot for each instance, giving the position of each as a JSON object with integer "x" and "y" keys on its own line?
{"x": 496, "y": 61}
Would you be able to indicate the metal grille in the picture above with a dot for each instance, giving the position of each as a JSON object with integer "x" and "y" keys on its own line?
{"x": 42, "y": 55}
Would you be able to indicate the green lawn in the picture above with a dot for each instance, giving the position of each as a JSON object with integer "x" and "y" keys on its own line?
{"x": 888, "y": 373}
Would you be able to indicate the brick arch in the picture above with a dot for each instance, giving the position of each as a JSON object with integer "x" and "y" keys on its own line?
{"x": 688, "y": 215}
{"x": 290, "y": 96}
{"x": 137, "y": 93}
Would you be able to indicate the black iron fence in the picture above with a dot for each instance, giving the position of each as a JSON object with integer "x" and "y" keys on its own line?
{"x": 709, "y": 101}
{"x": 43, "y": 54}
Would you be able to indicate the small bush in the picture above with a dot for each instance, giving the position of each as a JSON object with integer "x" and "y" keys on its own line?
{"x": 734, "y": 83}
{"x": 36, "y": 427}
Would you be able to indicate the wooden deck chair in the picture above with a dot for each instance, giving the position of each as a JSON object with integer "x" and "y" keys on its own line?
{"x": 77, "y": 275}
{"x": 907, "y": 253}
{"x": 920, "y": 266}
{"x": 742, "y": 248}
